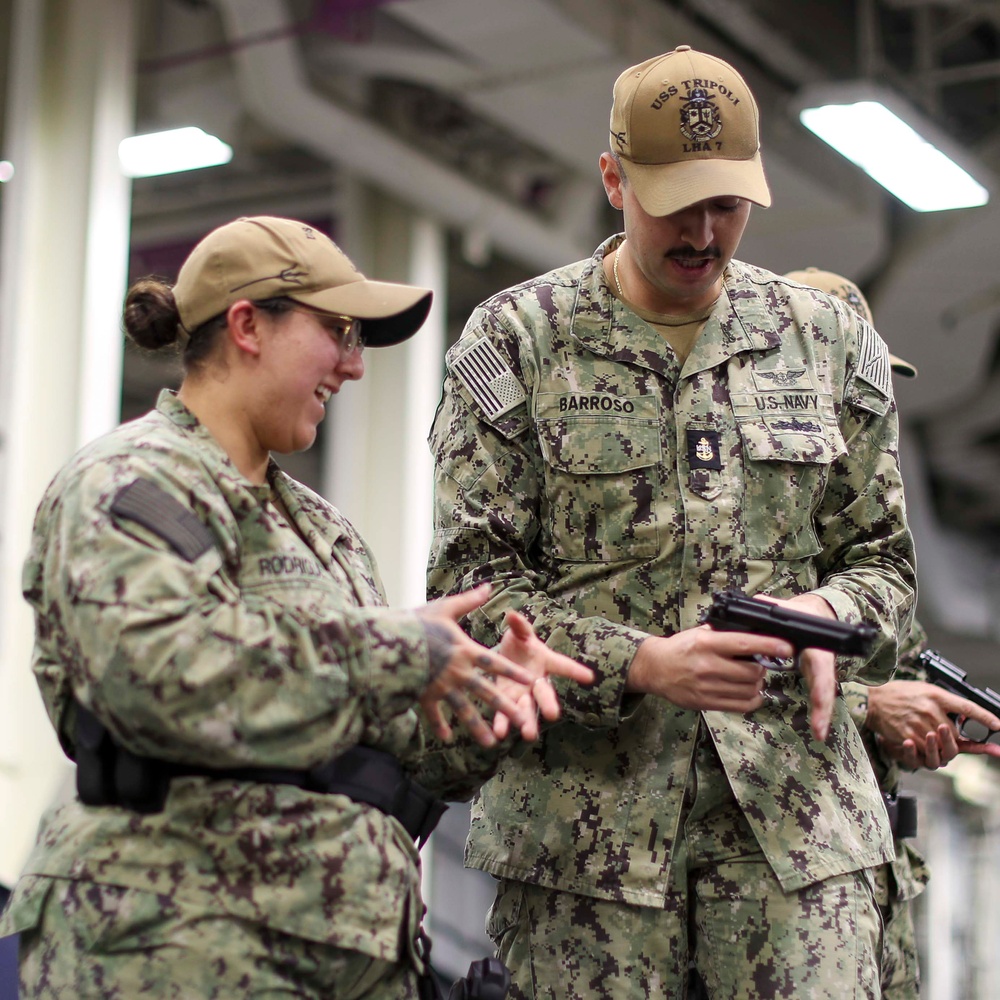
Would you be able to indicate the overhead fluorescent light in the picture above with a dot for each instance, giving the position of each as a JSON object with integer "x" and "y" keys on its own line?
{"x": 895, "y": 145}
{"x": 170, "y": 152}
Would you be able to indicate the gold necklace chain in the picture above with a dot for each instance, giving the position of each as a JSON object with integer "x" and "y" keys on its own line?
{"x": 614, "y": 268}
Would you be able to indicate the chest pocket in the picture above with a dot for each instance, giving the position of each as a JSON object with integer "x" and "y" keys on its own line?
{"x": 279, "y": 566}
{"x": 602, "y": 479}
{"x": 787, "y": 466}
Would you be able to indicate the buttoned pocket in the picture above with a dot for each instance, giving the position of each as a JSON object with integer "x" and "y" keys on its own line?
{"x": 787, "y": 465}
{"x": 602, "y": 478}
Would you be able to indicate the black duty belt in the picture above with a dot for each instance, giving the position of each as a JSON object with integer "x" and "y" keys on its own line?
{"x": 108, "y": 774}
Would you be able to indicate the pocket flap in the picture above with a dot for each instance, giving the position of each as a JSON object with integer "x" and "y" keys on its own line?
{"x": 595, "y": 445}
{"x": 783, "y": 437}
{"x": 24, "y": 911}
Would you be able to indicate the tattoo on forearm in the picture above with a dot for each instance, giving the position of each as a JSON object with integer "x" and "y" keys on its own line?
{"x": 439, "y": 647}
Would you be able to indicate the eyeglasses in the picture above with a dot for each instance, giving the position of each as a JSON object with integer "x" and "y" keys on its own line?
{"x": 345, "y": 330}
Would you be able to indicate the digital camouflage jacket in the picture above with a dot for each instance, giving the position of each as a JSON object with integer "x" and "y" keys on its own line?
{"x": 607, "y": 492}
{"x": 219, "y": 637}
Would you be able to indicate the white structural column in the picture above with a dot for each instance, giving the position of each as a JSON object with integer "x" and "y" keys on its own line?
{"x": 378, "y": 467}
{"x": 63, "y": 267}
{"x": 424, "y": 368}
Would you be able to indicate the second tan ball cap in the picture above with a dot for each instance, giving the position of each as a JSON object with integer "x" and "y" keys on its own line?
{"x": 685, "y": 126}
{"x": 264, "y": 256}
{"x": 844, "y": 288}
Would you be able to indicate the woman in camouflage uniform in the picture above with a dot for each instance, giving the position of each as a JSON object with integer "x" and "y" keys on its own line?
{"x": 213, "y": 649}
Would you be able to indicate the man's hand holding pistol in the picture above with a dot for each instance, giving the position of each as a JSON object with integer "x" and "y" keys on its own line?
{"x": 724, "y": 667}
{"x": 812, "y": 628}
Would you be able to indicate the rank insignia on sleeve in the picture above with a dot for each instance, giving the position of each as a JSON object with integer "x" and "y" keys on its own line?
{"x": 703, "y": 449}
{"x": 483, "y": 371}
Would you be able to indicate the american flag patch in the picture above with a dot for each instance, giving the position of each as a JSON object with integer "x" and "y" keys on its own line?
{"x": 486, "y": 375}
{"x": 873, "y": 359}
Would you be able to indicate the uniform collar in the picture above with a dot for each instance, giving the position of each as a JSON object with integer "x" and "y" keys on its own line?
{"x": 323, "y": 525}
{"x": 743, "y": 320}
{"x": 168, "y": 403}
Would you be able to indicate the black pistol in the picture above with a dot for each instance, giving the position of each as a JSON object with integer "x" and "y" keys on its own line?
{"x": 732, "y": 611}
{"x": 946, "y": 675}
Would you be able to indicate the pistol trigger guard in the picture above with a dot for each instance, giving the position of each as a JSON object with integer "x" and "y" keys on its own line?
{"x": 772, "y": 663}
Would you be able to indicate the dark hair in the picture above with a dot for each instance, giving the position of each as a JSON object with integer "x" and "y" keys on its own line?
{"x": 152, "y": 320}
{"x": 150, "y": 316}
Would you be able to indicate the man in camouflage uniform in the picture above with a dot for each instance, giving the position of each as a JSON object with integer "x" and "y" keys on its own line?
{"x": 908, "y": 719}
{"x": 618, "y": 439}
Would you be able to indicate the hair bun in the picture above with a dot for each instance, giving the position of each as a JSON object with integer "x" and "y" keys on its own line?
{"x": 150, "y": 315}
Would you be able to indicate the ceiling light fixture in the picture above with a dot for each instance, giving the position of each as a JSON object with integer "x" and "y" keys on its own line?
{"x": 170, "y": 152}
{"x": 894, "y": 144}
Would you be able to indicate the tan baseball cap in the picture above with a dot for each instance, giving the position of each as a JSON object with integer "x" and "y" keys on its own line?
{"x": 844, "y": 288}
{"x": 686, "y": 128}
{"x": 264, "y": 257}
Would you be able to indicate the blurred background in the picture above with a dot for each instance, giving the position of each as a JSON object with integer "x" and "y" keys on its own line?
{"x": 454, "y": 143}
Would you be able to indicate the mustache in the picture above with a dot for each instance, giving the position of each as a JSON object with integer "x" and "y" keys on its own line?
{"x": 689, "y": 253}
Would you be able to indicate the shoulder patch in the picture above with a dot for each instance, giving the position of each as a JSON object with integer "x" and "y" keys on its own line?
{"x": 873, "y": 359}
{"x": 486, "y": 375}
{"x": 152, "y": 507}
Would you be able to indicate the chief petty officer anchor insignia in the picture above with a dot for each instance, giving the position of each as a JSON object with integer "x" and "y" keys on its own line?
{"x": 703, "y": 449}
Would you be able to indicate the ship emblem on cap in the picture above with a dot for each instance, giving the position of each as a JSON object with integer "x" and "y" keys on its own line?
{"x": 700, "y": 119}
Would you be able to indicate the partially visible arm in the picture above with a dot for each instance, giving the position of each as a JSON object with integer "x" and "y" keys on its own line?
{"x": 913, "y": 722}
{"x": 910, "y": 718}
{"x": 867, "y": 568}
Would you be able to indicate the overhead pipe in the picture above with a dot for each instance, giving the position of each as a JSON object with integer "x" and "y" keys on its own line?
{"x": 275, "y": 89}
